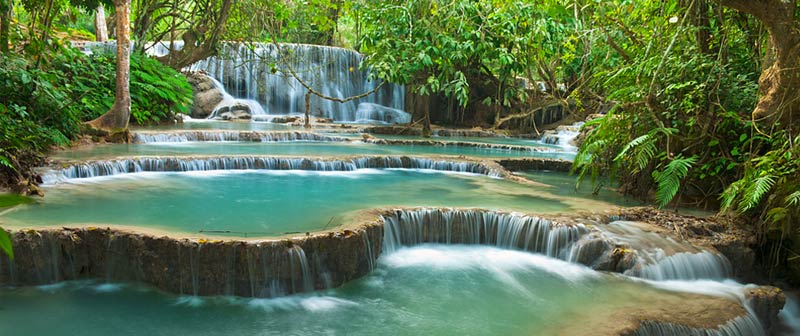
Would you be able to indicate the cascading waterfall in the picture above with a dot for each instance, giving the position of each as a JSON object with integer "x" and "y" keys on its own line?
{"x": 746, "y": 325}
{"x": 686, "y": 266}
{"x": 255, "y": 72}
{"x": 662, "y": 258}
{"x": 563, "y": 136}
{"x": 173, "y": 164}
{"x": 508, "y": 230}
{"x": 230, "y": 103}
{"x": 514, "y": 231}
{"x": 212, "y": 136}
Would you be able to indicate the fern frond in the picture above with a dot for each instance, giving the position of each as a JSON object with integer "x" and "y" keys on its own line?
{"x": 793, "y": 199}
{"x": 731, "y": 193}
{"x": 755, "y": 192}
{"x": 669, "y": 180}
{"x": 634, "y": 143}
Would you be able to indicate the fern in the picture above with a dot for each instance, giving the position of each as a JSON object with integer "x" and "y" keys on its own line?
{"x": 755, "y": 191}
{"x": 793, "y": 199}
{"x": 669, "y": 180}
{"x": 731, "y": 193}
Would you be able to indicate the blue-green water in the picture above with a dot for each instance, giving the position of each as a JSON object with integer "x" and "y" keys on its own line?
{"x": 425, "y": 290}
{"x": 265, "y": 202}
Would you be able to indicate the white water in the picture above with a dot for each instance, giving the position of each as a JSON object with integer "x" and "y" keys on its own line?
{"x": 790, "y": 315}
{"x": 219, "y": 136}
{"x": 228, "y": 101}
{"x": 507, "y": 230}
{"x": 173, "y": 164}
{"x": 563, "y": 136}
{"x": 257, "y": 72}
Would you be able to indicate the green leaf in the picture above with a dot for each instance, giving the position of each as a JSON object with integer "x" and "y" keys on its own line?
{"x": 5, "y": 243}
{"x": 755, "y": 192}
{"x": 793, "y": 199}
{"x": 669, "y": 181}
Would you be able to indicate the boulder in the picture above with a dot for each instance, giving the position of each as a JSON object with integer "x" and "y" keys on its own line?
{"x": 766, "y": 302}
{"x": 206, "y": 95}
{"x": 284, "y": 119}
{"x": 235, "y": 115}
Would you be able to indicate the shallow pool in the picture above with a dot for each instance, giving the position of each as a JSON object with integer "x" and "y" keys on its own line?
{"x": 259, "y": 203}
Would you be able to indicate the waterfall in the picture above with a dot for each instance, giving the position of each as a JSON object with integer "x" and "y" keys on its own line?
{"x": 367, "y": 112}
{"x": 686, "y": 266}
{"x": 229, "y": 103}
{"x": 173, "y": 164}
{"x": 255, "y": 72}
{"x": 508, "y": 230}
{"x": 252, "y": 136}
{"x": 659, "y": 257}
{"x": 299, "y": 269}
{"x": 740, "y": 326}
{"x": 563, "y": 136}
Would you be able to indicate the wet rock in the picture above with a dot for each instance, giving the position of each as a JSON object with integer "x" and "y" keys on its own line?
{"x": 284, "y": 120}
{"x": 766, "y": 302}
{"x": 180, "y": 118}
{"x": 234, "y": 112}
{"x": 536, "y": 164}
{"x": 206, "y": 95}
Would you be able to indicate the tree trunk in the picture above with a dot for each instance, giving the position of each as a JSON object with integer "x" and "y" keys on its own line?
{"x": 100, "y": 28}
{"x": 117, "y": 118}
{"x": 5, "y": 23}
{"x": 779, "y": 99}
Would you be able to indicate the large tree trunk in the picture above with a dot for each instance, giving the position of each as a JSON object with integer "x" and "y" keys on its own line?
{"x": 100, "y": 28}
{"x": 117, "y": 118}
{"x": 780, "y": 99}
{"x": 5, "y": 23}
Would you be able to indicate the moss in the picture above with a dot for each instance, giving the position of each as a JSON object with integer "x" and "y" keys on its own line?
{"x": 9, "y": 200}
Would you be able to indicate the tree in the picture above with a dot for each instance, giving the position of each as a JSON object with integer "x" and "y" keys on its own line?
{"x": 5, "y": 23}
{"x": 118, "y": 117}
{"x": 474, "y": 52}
{"x": 199, "y": 25}
{"x": 779, "y": 99}
{"x": 101, "y": 31}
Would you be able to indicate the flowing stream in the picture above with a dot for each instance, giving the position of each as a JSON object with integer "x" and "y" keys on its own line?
{"x": 428, "y": 289}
